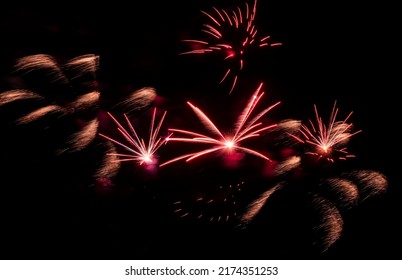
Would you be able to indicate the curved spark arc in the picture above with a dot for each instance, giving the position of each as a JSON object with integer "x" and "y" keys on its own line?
{"x": 244, "y": 129}
{"x": 230, "y": 33}
{"x": 140, "y": 150}
{"x": 327, "y": 138}
{"x": 74, "y": 96}
{"x": 17, "y": 95}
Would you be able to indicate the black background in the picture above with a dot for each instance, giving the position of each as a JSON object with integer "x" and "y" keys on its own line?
{"x": 331, "y": 51}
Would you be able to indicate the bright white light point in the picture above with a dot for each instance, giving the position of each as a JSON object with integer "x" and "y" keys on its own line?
{"x": 229, "y": 144}
{"x": 147, "y": 159}
{"x": 325, "y": 148}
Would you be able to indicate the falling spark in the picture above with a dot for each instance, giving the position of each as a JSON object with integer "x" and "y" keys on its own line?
{"x": 85, "y": 102}
{"x": 255, "y": 207}
{"x": 371, "y": 182}
{"x": 84, "y": 137}
{"x": 138, "y": 100}
{"x": 39, "y": 113}
{"x": 345, "y": 192}
{"x": 287, "y": 165}
{"x": 244, "y": 129}
{"x": 232, "y": 34}
{"x": 140, "y": 150}
{"x": 327, "y": 140}
{"x": 283, "y": 129}
{"x": 41, "y": 61}
{"x": 16, "y": 95}
{"x": 331, "y": 222}
{"x": 110, "y": 164}
{"x": 84, "y": 64}
{"x": 36, "y": 61}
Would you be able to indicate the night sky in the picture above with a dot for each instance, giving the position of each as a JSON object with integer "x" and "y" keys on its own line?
{"x": 51, "y": 206}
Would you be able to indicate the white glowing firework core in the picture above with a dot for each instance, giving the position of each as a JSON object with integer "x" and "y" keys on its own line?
{"x": 229, "y": 144}
{"x": 147, "y": 159}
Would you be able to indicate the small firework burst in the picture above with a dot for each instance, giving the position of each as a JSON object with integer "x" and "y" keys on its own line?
{"x": 328, "y": 141}
{"x": 232, "y": 34}
{"x": 140, "y": 150}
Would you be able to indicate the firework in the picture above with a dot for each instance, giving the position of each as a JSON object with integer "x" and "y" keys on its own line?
{"x": 343, "y": 192}
{"x": 61, "y": 90}
{"x": 141, "y": 99}
{"x": 17, "y": 95}
{"x": 218, "y": 204}
{"x": 330, "y": 227}
{"x": 328, "y": 141}
{"x": 243, "y": 130}
{"x": 85, "y": 136}
{"x": 370, "y": 182}
{"x": 140, "y": 150}
{"x": 231, "y": 34}
{"x": 255, "y": 206}
{"x": 109, "y": 164}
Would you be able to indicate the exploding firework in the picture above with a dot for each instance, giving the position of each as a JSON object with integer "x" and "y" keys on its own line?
{"x": 232, "y": 34}
{"x": 331, "y": 194}
{"x": 327, "y": 140}
{"x": 243, "y": 130}
{"x": 140, "y": 150}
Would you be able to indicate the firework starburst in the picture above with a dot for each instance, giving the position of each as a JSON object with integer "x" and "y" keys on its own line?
{"x": 327, "y": 140}
{"x": 230, "y": 33}
{"x": 244, "y": 129}
{"x": 140, "y": 150}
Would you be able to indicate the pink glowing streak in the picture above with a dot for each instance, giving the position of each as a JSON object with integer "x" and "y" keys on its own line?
{"x": 327, "y": 138}
{"x": 244, "y": 129}
{"x": 140, "y": 150}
